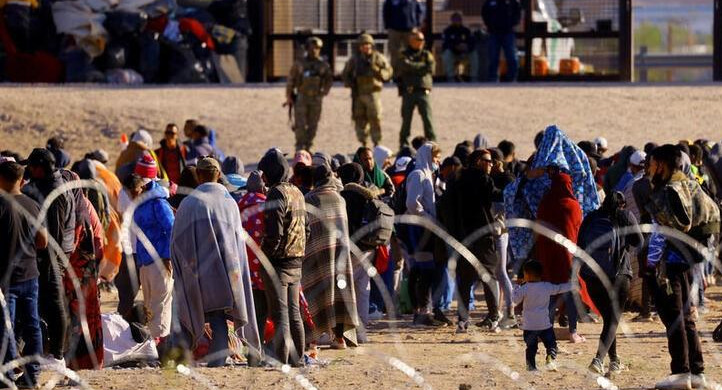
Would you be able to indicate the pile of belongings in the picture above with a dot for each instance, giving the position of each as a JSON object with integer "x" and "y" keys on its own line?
{"x": 123, "y": 41}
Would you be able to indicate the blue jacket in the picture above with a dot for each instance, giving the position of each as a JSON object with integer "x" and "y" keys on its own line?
{"x": 402, "y": 15}
{"x": 155, "y": 219}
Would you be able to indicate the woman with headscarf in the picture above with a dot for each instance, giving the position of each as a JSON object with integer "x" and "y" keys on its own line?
{"x": 559, "y": 211}
{"x": 602, "y": 236}
{"x": 373, "y": 174}
{"x": 327, "y": 270}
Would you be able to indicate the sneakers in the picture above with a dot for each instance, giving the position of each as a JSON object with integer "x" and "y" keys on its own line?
{"x": 491, "y": 324}
{"x": 338, "y": 343}
{"x": 462, "y": 327}
{"x": 675, "y": 382}
{"x": 376, "y": 315}
{"x": 643, "y": 318}
{"x": 615, "y": 367}
{"x": 53, "y": 364}
{"x": 531, "y": 367}
{"x": 508, "y": 322}
{"x": 698, "y": 381}
{"x": 441, "y": 317}
{"x": 551, "y": 364}
{"x": 596, "y": 367}
{"x": 576, "y": 338}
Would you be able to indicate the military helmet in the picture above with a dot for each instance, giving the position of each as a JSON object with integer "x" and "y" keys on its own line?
{"x": 365, "y": 38}
{"x": 314, "y": 41}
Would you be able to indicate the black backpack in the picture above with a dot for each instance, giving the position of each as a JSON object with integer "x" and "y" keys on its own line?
{"x": 608, "y": 254}
{"x": 379, "y": 213}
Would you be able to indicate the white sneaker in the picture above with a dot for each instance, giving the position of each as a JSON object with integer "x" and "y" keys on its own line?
{"x": 675, "y": 382}
{"x": 698, "y": 381}
{"x": 55, "y": 365}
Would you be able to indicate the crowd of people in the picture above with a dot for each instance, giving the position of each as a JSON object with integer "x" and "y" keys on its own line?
{"x": 305, "y": 250}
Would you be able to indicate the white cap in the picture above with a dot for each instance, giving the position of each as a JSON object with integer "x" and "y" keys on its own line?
{"x": 143, "y": 136}
{"x": 401, "y": 164}
{"x": 4, "y": 159}
{"x": 637, "y": 158}
{"x": 601, "y": 142}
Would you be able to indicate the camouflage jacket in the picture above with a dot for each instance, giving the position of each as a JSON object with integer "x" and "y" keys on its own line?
{"x": 310, "y": 77}
{"x": 367, "y": 74}
{"x": 286, "y": 226}
{"x": 683, "y": 205}
{"x": 416, "y": 69}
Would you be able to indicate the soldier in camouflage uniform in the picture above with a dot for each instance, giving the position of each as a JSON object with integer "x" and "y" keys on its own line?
{"x": 309, "y": 81}
{"x": 415, "y": 74}
{"x": 365, "y": 73}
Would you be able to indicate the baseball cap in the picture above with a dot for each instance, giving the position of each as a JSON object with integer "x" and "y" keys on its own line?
{"x": 208, "y": 164}
{"x": 100, "y": 155}
{"x": 39, "y": 156}
{"x": 637, "y": 158}
{"x": 4, "y": 159}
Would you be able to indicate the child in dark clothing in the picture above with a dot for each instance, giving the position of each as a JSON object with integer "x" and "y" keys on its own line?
{"x": 534, "y": 294}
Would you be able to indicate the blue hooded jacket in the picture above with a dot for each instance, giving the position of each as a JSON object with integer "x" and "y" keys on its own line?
{"x": 155, "y": 219}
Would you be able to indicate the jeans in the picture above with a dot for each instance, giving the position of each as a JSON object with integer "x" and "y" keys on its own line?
{"x": 507, "y": 42}
{"x": 531, "y": 338}
{"x": 610, "y": 314}
{"x": 288, "y": 342}
{"x": 362, "y": 286}
{"x": 442, "y": 288}
{"x": 51, "y": 305}
{"x": 22, "y": 301}
{"x": 502, "y": 248}
{"x": 467, "y": 275}
{"x": 571, "y": 308}
{"x": 674, "y": 311}
{"x": 218, "y": 349}
{"x": 450, "y": 59}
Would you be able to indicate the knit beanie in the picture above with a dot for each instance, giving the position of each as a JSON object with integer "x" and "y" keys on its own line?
{"x": 146, "y": 167}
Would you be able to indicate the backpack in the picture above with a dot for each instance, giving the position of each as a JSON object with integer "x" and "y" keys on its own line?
{"x": 608, "y": 254}
{"x": 377, "y": 212}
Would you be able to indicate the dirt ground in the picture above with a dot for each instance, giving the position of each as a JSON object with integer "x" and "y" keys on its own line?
{"x": 400, "y": 356}
{"x": 249, "y": 120}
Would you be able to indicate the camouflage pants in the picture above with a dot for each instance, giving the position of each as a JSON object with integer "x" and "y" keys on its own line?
{"x": 367, "y": 116}
{"x": 307, "y": 114}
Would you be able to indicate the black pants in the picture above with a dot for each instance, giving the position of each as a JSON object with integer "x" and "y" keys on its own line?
{"x": 51, "y": 304}
{"x": 466, "y": 276}
{"x": 610, "y": 314}
{"x": 646, "y": 305}
{"x": 531, "y": 338}
{"x": 283, "y": 303}
{"x": 261, "y": 305}
{"x": 674, "y": 311}
{"x": 420, "y": 281}
{"x": 127, "y": 283}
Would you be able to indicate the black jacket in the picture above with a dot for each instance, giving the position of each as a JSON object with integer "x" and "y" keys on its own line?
{"x": 60, "y": 219}
{"x": 500, "y": 16}
{"x": 402, "y": 15}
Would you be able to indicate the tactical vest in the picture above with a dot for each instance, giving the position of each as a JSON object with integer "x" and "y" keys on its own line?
{"x": 311, "y": 78}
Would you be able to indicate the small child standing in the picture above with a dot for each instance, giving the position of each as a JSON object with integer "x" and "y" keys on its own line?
{"x": 534, "y": 294}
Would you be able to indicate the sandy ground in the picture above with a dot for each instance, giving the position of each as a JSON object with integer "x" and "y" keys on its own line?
{"x": 250, "y": 119}
{"x": 400, "y": 356}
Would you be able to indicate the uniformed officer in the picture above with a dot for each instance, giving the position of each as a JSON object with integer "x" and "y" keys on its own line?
{"x": 415, "y": 71}
{"x": 309, "y": 81}
{"x": 365, "y": 73}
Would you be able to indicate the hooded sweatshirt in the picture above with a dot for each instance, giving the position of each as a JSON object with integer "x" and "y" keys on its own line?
{"x": 155, "y": 219}
{"x": 420, "y": 194}
{"x": 285, "y": 215}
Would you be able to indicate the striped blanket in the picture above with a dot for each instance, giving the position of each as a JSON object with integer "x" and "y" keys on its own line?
{"x": 328, "y": 262}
